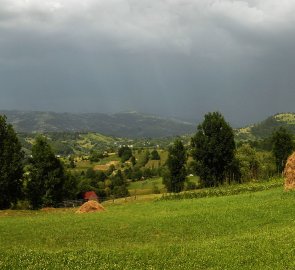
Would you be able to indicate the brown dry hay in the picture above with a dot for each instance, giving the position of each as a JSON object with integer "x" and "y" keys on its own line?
{"x": 289, "y": 173}
{"x": 90, "y": 206}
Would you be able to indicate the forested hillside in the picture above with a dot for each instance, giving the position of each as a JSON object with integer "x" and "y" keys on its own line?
{"x": 265, "y": 128}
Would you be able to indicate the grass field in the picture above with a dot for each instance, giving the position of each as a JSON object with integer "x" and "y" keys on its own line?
{"x": 144, "y": 187}
{"x": 246, "y": 231}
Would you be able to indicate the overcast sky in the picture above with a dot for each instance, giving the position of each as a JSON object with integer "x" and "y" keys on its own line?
{"x": 178, "y": 58}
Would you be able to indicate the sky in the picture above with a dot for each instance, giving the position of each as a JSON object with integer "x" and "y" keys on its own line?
{"x": 174, "y": 58}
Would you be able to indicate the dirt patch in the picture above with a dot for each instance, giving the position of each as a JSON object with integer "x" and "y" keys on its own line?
{"x": 105, "y": 167}
{"x": 101, "y": 168}
{"x": 289, "y": 173}
{"x": 90, "y": 206}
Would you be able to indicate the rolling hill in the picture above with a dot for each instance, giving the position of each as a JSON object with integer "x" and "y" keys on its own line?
{"x": 129, "y": 124}
{"x": 265, "y": 128}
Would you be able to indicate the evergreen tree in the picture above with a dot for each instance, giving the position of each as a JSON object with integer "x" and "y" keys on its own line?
{"x": 282, "y": 147}
{"x": 133, "y": 160}
{"x": 175, "y": 175}
{"x": 155, "y": 155}
{"x": 46, "y": 185}
{"x": 11, "y": 165}
{"x": 213, "y": 149}
{"x": 125, "y": 153}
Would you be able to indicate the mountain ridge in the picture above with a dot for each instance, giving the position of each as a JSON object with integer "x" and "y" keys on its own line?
{"x": 124, "y": 124}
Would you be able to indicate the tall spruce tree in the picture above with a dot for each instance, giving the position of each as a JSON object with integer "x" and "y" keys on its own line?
{"x": 213, "y": 149}
{"x": 175, "y": 176}
{"x": 47, "y": 176}
{"x": 282, "y": 147}
{"x": 11, "y": 165}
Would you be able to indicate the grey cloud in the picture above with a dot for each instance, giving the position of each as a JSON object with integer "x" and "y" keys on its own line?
{"x": 177, "y": 58}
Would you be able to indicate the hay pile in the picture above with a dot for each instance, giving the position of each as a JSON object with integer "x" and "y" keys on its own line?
{"x": 289, "y": 173}
{"x": 90, "y": 206}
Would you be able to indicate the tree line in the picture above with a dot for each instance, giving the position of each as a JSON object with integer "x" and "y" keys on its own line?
{"x": 42, "y": 179}
{"x": 217, "y": 160}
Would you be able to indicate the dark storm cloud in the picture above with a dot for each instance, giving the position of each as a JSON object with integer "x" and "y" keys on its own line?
{"x": 178, "y": 58}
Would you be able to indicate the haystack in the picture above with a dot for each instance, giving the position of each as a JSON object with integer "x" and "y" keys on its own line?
{"x": 289, "y": 173}
{"x": 90, "y": 206}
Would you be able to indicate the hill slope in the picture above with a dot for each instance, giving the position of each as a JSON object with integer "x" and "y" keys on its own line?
{"x": 265, "y": 128}
{"x": 248, "y": 231}
{"x": 130, "y": 124}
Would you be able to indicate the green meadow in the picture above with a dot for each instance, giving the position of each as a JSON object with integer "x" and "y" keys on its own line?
{"x": 246, "y": 231}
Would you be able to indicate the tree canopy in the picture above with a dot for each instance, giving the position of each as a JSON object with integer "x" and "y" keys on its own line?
{"x": 176, "y": 174}
{"x": 125, "y": 153}
{"x": 11, "y": 165}
{"x": 47, "y": 178}
{"x": 213, "y": 149}
{"x": 282, "y": 147}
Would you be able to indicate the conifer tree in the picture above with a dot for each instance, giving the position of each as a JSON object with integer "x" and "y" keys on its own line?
{"x": 213, "y": 149}
{"x": 175, "y": 176}
{"x": 47, "y": 176}
{"x": 11, "y": 165}
{"x": 282, "y": 147}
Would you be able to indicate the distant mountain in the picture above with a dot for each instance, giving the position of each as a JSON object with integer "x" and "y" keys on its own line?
{"x": 265, "y": 128}
{"x": 129, "y": 124}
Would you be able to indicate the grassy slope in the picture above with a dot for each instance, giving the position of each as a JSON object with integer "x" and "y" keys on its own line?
{"x": 147, "y": 186}
{"x": 249, "y": 231}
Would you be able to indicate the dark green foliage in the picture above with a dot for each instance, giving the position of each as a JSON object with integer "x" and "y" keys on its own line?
{"x": 101, "y": 176}
{"x": 11, "y": 165}
{"x": 86, "y": 184}
{"x": 233, "y": 171}
{"x": 46, "y": 183}
{"x": 110, "y": 170}
{"x": 90, "y": 173}
{"x": 125, "y": 153}
{"x": 261, "y": 145}
{"x": 127, "y": 173}
{"x": 133, "y": 160}
{"x": 213, "y": 149}
{"x": 71, "y": 163}
{"x": 264, "y": 129}
{"x": 283, "y": 146}
{"x": 95, "y": 156}
{"x": 71, "y": 186}
{"x": 249, "y": 162}
{"x": 155, "y": 155}
{"x": 175, "y": 175}
{"x": 119, "y": 186}
{"x": 136, "y": 174}
{"x": 147, "y": 173}
{"x": 93, "y": 181}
